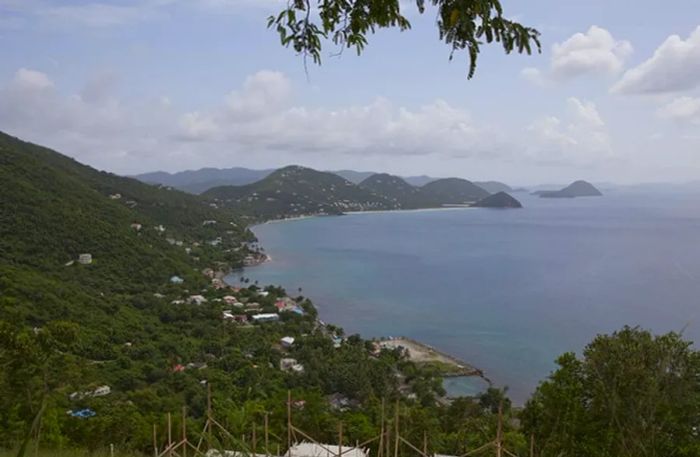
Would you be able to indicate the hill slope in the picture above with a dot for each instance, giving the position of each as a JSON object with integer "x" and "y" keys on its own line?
{"x": 494, "y": 186}
{"x": 498, "y": 200}
{"x": 451, "y": 191}
{"x": 393, "y": 188}
{"x": 198, "y": 181}
{"x": 297, "y": 191}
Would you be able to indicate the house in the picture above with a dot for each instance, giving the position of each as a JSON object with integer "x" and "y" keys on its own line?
{"x": 263, "y": 293}
{"x": 291, "y": 365}
{"x": 217, "y": 283}
{"x": 287, "y": 341}
{"x": 325, "y": 450}
{"x": 208, "y": 272}
{"x": 177, "y": 302}
{"x": 228, "y": 316}
{"x": 266, "y": 317}
{"x": 196, "y": 300}
{"x": 224, "y": 453}
{"x": 253, "y": 306}
{"x": 85, "y": 259}
{"x": 115, "y": 196}
{"x": 205, "y": 223}
{"x": 159, "y": 228}
{"x": 176, "y": 280}
{"x": 230, "y": 299}
{"x": 136, "y": 227}
{"x": 179, "y": 368}
{"x": 101, "y": 391}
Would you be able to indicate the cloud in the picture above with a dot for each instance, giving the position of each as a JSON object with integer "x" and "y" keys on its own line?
{"x": 580, "y": 139}
{"x": 682, "y": 110}
{"x": 594, "y": 52}
{"x": 259, "y": 122}
{"x": 675, "y": 66}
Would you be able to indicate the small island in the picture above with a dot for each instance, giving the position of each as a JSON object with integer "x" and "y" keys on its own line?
{"x": 498, "y": 200}
{"x": 576, "y": 189}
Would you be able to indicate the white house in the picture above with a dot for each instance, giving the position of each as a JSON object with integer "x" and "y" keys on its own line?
{"x": 325, "y": 450}
{"x": 289, "y": 364}
{"x": 101, "y": 391}
{"x": 196, "y": 300}
{"x": 266, "y": 317}
{"x": 176, "y": 280}
{"x": 85, "y": 259}
{"x": 287, "y": 341}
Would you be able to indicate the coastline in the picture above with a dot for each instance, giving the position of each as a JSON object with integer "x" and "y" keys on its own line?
{"x": 417, "y": 351}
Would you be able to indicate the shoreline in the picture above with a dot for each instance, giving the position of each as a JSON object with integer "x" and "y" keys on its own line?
{"x": 417, "y": 351}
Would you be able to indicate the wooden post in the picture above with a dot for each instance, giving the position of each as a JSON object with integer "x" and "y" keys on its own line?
{"x": 532, "y": 445}
{"x": 425, "y": 444}
{"x": 289, "y": 419}
{"x": 111, "y": 450}
{"x": 170, "y": 434}
{"x": 340, "y": 439}
{"x": 255, "y": 440}
{"x": 396, "y": 423}
{"x": 184, "y": 431}
{"x": 209, "y": 416}
{"x": 155, "y": 442}
{"x": 267, "y": 437}
{"x": 499, "y": 431}
{"x": 380, "y": 450}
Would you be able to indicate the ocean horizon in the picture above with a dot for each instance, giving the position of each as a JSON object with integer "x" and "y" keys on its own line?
{"x": 507, "y": 291}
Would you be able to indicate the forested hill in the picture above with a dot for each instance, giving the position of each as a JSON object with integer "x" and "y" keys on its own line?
{"x": 296, "y": 191}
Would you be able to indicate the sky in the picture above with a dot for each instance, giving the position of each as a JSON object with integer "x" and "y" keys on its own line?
{"x": 133, "y": 86}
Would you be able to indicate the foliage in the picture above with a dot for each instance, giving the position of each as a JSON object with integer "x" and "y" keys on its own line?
{"x": 462, "y": 25}
{"x": 632, "y": 394}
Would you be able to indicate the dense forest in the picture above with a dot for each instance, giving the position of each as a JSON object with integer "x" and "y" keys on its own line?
{"x": 95, "y": 350}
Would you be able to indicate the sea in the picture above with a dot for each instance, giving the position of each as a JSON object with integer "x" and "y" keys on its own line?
{"x": 507, "y": 291}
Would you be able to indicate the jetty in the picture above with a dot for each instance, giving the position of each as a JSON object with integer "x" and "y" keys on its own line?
{"x": 418, "y": 352}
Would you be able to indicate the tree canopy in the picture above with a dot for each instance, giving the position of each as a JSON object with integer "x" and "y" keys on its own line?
{"x": 462, "y": 24}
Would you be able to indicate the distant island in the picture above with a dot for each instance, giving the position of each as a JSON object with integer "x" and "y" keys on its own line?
{"x": 576, "y": 189}
{"x": 295, "y": 191}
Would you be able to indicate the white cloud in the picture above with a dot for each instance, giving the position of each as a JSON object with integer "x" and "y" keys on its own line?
{"x": 594, "y": 52}
{"x": 675, "y": 66}
{"x": 580, "y": 139}
{"x": 32, "y": 80}
{"x": 683, "y": 110}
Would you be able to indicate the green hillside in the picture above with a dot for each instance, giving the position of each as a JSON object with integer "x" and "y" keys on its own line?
{"x": 578, "y": 188}
{"x": 297, "y": 191}
{"x": 451, "y": 191}
{"x": 394, "y": 189}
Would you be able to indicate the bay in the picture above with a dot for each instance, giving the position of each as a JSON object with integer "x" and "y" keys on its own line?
{"x": 506, "y": 290}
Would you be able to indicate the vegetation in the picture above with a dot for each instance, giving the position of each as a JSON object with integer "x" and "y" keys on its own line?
{"x": 462, "y": 25}
{"x": 498, "y": 200}
{"x": 93, "y": 354}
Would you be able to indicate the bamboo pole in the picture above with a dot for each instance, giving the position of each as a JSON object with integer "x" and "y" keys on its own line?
{"x": 340, "y": 439}
{"x": 267, "y": 436}
{"x": 425, "y": 444}
{"x": 209, "y": 414}
{"x": 184, "y": 431}
{"x": 499, "y": 431}
{"x": 396, "y": 424}
{"x": 381, "y": 433}
{"x": 532, "y": 445}
{"x": 155, "y": 442}
{"x": 289, "y": 419}
{"x": 255, "y": 440}
{"x": 170, "y": 435}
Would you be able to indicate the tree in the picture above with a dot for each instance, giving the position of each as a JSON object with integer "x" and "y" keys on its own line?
{"x": 632, "y": 394}
{"x": 34, "y": 362}
{"x": 462, "y": 24}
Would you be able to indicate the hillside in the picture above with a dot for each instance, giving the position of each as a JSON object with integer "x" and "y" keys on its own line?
{"x": 498, "y": 200}
{"x": 198, "y": 181}
{"x": 450, "y": 191}
{"x": 296, "y": 191}
{"x": 576, "y": 189}
{"x": 393, "y": 188}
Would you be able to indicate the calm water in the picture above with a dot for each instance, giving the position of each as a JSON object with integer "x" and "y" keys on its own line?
{"x": 506, "y": 290}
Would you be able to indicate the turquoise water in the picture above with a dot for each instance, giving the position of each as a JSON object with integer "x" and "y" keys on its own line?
{"x": 506, "y": 290}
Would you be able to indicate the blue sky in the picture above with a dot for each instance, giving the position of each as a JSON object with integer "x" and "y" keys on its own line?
{"x": 141, "y": 85}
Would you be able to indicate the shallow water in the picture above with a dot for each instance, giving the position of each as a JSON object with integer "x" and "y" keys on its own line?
{"x": 506, "y": 290}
